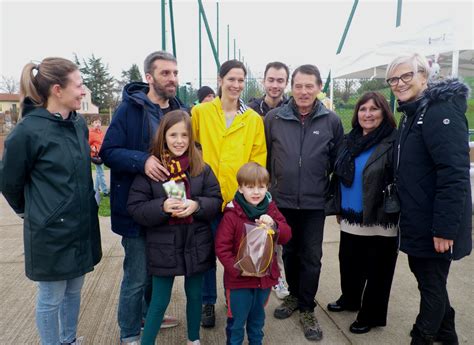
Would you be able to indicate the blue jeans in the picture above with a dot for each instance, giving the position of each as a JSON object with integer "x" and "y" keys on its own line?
{"x": 209, "y": 287}
{"x": 130, "y": 308}
{"x": 246, "y": 311}
{"x": 100, "y": 184}
{"x": 57, "y": 310}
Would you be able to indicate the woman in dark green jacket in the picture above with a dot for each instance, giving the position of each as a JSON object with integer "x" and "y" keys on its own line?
{"x": 47, "y": 181}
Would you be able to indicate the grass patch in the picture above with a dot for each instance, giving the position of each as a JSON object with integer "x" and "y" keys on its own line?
{"x": 93, "y": 167}
{"x": 104, "y": 207}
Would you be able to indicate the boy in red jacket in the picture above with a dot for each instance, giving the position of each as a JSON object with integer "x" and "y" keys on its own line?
{"x": 247, "y": 294}
{"x": 96, "y": 137}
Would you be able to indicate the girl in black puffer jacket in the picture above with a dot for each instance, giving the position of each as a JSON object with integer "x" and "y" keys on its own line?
{"x": 178, "y": 236}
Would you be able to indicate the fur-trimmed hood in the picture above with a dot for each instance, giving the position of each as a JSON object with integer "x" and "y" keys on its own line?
{"x": 445, "y": 90}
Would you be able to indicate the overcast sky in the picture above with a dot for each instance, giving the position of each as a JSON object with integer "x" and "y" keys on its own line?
{"x": 124, "y": 32}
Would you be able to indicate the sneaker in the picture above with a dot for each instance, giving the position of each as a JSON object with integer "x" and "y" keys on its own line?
{"x": 284, "y": 310}
{"x": 280, "y": 289}
{"x": 208, "y": 316}
{"x": 312, "y": 330}
{"x": 195, "y": 342}
{"x": 169, "y": 322}
{"x": 135, "y": 342}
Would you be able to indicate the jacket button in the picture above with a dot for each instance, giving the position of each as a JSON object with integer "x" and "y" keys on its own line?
{"x": 62, "y": 219}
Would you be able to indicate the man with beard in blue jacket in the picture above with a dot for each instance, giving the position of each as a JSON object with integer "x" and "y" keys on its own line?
{"x": 125, "y": 151}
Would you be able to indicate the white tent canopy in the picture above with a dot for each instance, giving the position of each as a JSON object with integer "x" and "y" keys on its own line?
{"x": 451, "y": 38}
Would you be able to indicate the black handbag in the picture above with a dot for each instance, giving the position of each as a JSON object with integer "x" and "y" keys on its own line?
{"x": 333, "y": 197}
{"x": 391, "y": 202}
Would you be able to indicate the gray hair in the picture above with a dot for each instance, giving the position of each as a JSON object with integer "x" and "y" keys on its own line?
{"x": 419, "y": 63}
{"x": 159, "y": 55}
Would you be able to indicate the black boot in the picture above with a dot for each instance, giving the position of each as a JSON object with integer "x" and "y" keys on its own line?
{"x": 208, "y": 316}
{"x": 419, "y": 338}
{"x": 447, "y": 331}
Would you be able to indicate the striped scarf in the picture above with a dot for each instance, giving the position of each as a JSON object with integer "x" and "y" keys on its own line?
{"x": 177, "y": 168}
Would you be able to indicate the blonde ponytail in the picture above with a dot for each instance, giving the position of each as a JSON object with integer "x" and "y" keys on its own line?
{"x": 27, "y": 85}
{"x": 37, "y": 80}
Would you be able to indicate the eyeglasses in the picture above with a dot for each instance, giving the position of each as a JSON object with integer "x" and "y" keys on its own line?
{"x": 405, "y": 77}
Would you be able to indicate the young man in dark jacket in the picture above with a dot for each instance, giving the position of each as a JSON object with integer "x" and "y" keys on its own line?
{"x": 126, "y": 152}
{"x": 302, "y": 141}
{"x": 275, "y": 79}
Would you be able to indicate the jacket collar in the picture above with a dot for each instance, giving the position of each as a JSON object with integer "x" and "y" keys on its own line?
{"x": 382, "y": 147}
{"x": 136, "y": 92}
{"x": 218, "y": 104}
{"x": 265, "y": 108}
{"x": 289, "y": 111}
{"x": 234, "y": 207}
{"x": 30, "y": 108}
{"x": 409, "y": 108}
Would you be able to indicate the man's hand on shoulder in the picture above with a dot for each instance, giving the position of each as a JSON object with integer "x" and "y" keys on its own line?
{"x": 155, "y": 170}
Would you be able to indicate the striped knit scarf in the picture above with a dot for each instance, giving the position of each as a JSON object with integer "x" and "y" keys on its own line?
{"x": 177, "y": 167}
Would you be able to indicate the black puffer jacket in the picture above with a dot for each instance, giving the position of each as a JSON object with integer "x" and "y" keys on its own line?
{"x": 180, "y": 249}
{"x": 377, "y": 174}
{"x": 433, "y": 172}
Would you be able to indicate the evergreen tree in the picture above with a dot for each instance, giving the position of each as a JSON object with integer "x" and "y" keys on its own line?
{"x": 128, "y": 76}
{"x": 98, "y": 79}
{"x": 133, "y": 74}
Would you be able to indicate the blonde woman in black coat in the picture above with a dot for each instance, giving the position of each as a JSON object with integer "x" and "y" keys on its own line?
{"x": 434, "y": 188}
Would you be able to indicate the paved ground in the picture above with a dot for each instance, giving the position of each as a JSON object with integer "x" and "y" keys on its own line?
{"x": 100, "y": 293}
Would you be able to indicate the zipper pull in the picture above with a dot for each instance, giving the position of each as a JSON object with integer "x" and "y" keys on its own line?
{"x": 300, "y": 162}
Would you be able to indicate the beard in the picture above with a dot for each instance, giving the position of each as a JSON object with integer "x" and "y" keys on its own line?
{"x": 161, "y": 90}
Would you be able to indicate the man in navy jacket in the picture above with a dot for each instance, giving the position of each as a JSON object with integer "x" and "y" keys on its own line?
{"x": 125, "y": 151}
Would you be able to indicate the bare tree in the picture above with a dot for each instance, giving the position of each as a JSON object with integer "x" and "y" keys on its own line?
{"x": 9, "y": 84}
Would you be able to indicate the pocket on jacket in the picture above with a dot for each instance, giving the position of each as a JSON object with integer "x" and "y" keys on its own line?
{"x": 204, "y": 245}
{"x": 162, "y": 252}
{"x": 58, "y": 211}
